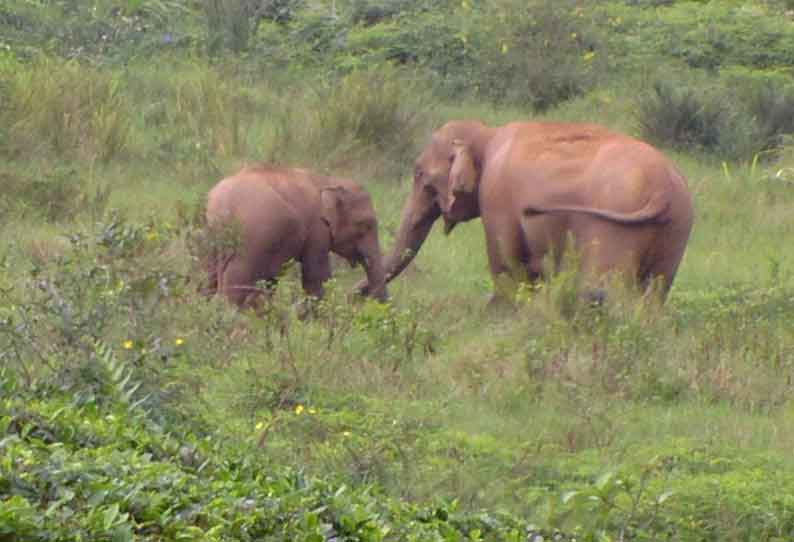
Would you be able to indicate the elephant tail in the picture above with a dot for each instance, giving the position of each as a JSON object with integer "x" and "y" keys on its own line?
{"x": 653, "y": 212}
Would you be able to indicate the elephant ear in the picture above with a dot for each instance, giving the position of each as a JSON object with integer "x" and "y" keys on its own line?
{"x": 463, "y": 172}
{"x": 333, "y": 207}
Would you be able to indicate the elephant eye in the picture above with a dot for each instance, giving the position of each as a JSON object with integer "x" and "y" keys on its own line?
{"x": 418, "y": 172}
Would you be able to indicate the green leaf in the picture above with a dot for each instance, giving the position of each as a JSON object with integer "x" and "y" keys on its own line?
{"x": 664, "y": 496}
{"x": 568, "y": 496}
{"x": 109, "y": 516}
{"x": 604, "y": 480}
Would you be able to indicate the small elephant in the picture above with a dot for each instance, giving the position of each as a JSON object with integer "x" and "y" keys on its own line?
{"x": 281, "y": 214}
{"x": 535, "y": 184}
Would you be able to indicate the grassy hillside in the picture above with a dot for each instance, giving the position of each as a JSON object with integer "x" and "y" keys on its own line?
{"x": 133, "y": 409}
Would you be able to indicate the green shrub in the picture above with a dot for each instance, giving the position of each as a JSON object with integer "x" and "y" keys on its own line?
{"x": 94, "y": 471}
{"x": 736, "y": 117}
{"x": 680, "y": 116}
{"x": 538, "y": 55}
{"x": 700, "y": 118}
{"x": 772, "y": 105}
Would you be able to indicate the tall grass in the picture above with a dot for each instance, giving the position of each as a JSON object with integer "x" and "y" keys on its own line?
{"x": 229, "y": 23}
{"x": 373, "y": 117}
{"x": 67, "y": 108}
{"x": 194, "y": 109}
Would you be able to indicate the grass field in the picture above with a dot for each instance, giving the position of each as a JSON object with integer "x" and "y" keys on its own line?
{"x": 622, "y": 423}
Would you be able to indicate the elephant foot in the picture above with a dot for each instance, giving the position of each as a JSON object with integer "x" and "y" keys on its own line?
{"x": 595, "y": 297}
{"x": 307, "y": 308}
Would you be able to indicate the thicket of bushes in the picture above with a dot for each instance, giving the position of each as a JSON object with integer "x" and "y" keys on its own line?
{"x": 534, "y": 56}
{"x": 735, "y": 117}
{"x": 80, "y": 468}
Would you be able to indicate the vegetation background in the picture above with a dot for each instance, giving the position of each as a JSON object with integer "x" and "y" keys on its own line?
{"x": 132, "y": 409}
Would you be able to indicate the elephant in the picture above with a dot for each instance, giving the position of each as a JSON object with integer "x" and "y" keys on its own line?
{"x": 625, "y": 205}
{"x": 281, "y": 214}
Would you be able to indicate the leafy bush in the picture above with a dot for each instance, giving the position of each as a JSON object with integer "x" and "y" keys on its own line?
{"x": 79, "y": 295}
{"x": 538, "y": 55}
{"x": 698, "y": 118}
{"x": 736, "y": 118}
{"x": 680, "y": 116}
{"x": 772, "y": 105}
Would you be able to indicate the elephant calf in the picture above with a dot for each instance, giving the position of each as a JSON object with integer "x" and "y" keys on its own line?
{"x": 281, "y": 214}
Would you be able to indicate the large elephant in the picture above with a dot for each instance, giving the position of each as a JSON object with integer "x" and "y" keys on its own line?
{"x": 279, "y": 214}
{"x": 535, "y": 184}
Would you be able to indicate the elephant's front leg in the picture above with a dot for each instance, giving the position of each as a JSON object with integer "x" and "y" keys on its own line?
{"x": 315, "y": 261}
{"x": 313, "y": 279}
{"x": 507, "y": 259}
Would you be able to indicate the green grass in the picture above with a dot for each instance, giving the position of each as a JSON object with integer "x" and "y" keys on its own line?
{"x": 436, "y": 414}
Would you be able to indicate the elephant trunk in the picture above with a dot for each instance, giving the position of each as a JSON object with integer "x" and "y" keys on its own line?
{"x": 418, "y": 216}
{"x": 376, "y": 276}
{"x": 417, "y": 219}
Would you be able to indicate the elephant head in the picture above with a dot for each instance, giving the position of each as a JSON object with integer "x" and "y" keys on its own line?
{"x": 446, "y": 183}
{"x": 353, "y": 230}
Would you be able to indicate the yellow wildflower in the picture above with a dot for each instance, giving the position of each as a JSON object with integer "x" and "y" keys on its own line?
{"x": 179, "y": 342}
{"x": 312, "y": 411}
{"x": 345, "y": 433}
{"x": 127, "y": 344}
{"x": 260, "y": 425}
{"x": 589, "y": 55}
{"x": 299, "y": 410}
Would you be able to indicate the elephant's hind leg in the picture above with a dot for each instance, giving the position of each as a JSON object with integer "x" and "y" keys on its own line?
{"x": 238, "y": 284}
{"x": 214, "y": 268}
{"x": 210, "y": 287}
{"x": 608, "y": 253}
{"x": 658, "y": 276}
